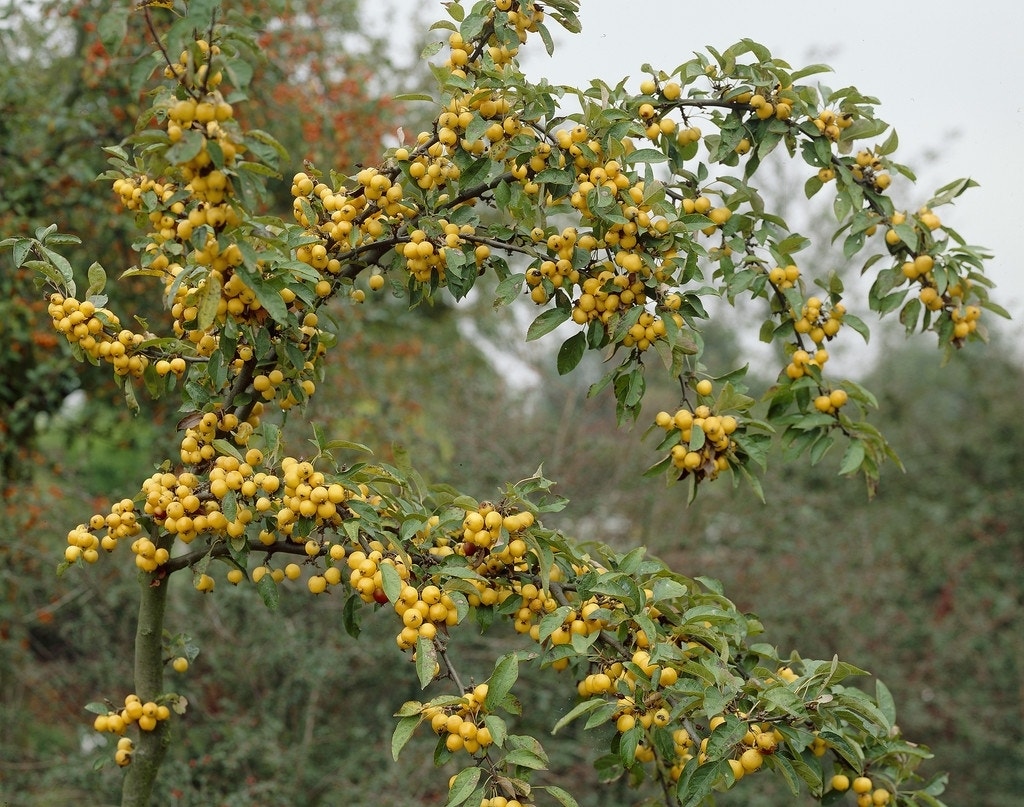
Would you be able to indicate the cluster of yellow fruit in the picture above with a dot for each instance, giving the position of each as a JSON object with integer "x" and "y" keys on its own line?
{"x": 97, "y": 331}
{"x": 652, "y": 116}
{"x": 423, "y": 612}
{"x": 461, "y": 724}
{"x": 784, "y": 277}
{"x": 197, "y": 444}
{"x": 462, "y": 110}
{"x": 651, "y": 712}
{"x": 463, "y": 58}
{"x": 307, "y": 494}
{"x": 121, "y": 522}
{"x": 707, "y": 456}
{"x": 366, "y": 577}
{"x": 864, "y": 788}
{"x": 868, "y": 168}
{"x": 965, "y": 321}
{"x": 147, "y": 715}
{"x": 422, "y": 259}
{"x": 761, "y": 740}
{"x": 131, "y": 190}
{"x": 831, "y": 124}
{"x": 206, "y": 174}
{"x": 348, "y": 219}
{"x": 578, "y": 621}
{"x": 817, "y": 322}
{"x": 965, "y": 318}
{"x": 188, "y": 64}
{"x": 925, "y": 220}
{"x": 682, "y": 746}
{"x": 430, "y": 164}
{"x": 802, "y": 363}
{"x": 775, "y": 105}
{"x": 123, "y": 754}
{"x": 481, "y": 528}
{"x": 703, "y": 205}
{"x": 831, "y": 402}
{"x": 919, "y": 268}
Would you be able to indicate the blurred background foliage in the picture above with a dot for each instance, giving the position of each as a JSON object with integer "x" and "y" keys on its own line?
{"x": 923, "y": 584}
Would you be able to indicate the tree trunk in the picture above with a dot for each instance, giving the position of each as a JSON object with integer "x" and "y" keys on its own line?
{"x": 149, "y": 675}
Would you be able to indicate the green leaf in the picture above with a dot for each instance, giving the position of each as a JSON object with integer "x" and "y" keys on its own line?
{"x": 726, "y": 736}
{"x": 403, "y": 733}
{"x": 426, "y": 660}
{"x": 97, "y": 280}
{"x": 463, "y": 786}
{"x": 431, "y": 49}
{"x": 509, "y": 289}
{"x": 348, "y": 615}
{"x": 571, "y": 352}
{"x": 506, "y": 672}
{"x": 191, "y": 143}
{"x": 268, "y": 591}
{"x": 547, "y": 322}
{"x": 61, "y": 263}
{"x": 113, "y": 26}
{"x": 886, "y": 704}
{"x": 852, "y": 458}
{"x": 555, "y": 176}
{"x": 646, "y": 155}
{"x": 580, "y": 709}
{"x": 526, "y": 758}
{"x": 208, "y": 301}
{"x": 780, "y": 763}
{"x": 268, "y": 296}
{"x": 20, "y": 249}
{"x": 846, "y": 749}
{"x": 391, "y": 582}
{"x": 561, "y": 796}
{"x": 907, "y": 235}
{"x": 697, "y": 781}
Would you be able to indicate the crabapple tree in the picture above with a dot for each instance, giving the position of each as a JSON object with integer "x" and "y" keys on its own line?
{"x": 619, "y": 221}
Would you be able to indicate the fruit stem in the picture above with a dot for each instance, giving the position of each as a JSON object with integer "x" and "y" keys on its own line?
{"x": 149, "y": 673}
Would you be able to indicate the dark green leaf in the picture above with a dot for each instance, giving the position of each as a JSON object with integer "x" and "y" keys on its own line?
{"x": 463, "y": 786}
{"x": 426, "y": 661}
{"x": 886, "y": 704}
{"x": 852, "y": 458}
{"x": 697, "y": 781}
{"x": 571, "y": 352}
{"x": 546, "y": 322}
{"x": 506, "y": 671}
{"x": 561, "y": 796}
{"x": 391, "y": 582}
{"x": 268, "y": 591}
{"x": 403, "y": 733}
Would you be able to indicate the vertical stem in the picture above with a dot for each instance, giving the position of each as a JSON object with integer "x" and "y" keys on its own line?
{"x": 149, "y": 752}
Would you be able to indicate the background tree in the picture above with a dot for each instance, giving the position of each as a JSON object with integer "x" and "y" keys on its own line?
{"x": 183, "y": 145}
